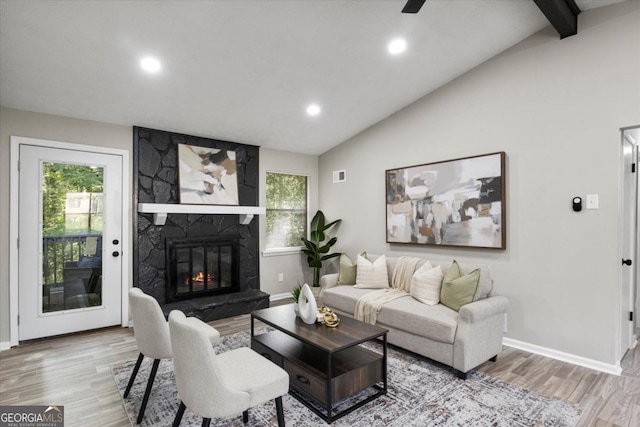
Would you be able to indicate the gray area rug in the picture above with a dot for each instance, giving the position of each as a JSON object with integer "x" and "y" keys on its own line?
{"x": 420, "y": 393}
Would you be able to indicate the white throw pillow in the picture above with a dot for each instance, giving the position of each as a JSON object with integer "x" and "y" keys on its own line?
{"x": 426, "y": 284}
{"x": 371, "y": 275}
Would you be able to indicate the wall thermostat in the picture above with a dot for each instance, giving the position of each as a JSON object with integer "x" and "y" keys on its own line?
{"x": 577, "y": 204}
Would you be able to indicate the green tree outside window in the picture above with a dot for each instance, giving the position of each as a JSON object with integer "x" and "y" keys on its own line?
{"x": 286, "y": 216}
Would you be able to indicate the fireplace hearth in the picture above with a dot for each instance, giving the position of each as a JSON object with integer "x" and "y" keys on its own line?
{"x": 201, "y": 266}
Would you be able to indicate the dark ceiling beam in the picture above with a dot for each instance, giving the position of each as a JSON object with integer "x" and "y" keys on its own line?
{"x": 412, "y": 6}
{"x": 562, "y": 14}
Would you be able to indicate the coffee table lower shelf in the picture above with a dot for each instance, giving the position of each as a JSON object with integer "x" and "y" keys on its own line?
{"x": 320, "y": 379}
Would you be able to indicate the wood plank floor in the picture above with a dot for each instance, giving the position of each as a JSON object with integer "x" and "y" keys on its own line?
{"x": 75, "y": 371}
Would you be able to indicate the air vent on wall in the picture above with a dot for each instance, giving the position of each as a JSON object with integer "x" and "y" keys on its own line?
{"x": 339, "y": 176}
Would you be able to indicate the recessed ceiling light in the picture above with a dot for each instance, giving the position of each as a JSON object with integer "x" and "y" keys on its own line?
{"x": 397, "y": 46}
{"x": 313, "y": 110}
{"x": 150, "y": 65}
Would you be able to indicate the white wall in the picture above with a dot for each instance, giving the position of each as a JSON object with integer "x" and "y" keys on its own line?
{"x": 555, "y": 107}
{"x": 293, "y": 266}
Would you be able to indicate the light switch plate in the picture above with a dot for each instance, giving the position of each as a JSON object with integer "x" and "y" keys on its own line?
{"x": 592, "y": 201}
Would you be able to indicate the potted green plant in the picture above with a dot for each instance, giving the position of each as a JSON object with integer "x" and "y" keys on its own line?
{"x": 316, "y": 250}
{"x": 295, "y": 293}
{"x": 295, "y": 296}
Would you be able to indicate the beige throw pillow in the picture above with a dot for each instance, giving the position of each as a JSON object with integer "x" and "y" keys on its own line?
{"x": 426, "y": 284}
{"x": 459, "y": 288}
{"x": 371, "y": 275}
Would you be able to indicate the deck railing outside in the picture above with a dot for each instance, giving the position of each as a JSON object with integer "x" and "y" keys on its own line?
{"x": 59, "y": 251}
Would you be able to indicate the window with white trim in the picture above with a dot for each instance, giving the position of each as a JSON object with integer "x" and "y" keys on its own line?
{"x": 286, "y": 210}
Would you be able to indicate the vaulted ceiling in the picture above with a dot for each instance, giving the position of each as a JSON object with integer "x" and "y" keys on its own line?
{"x": 246, "y": 71}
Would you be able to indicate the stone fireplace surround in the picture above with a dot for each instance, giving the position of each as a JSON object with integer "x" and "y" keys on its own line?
{"x": 155, "y": 174}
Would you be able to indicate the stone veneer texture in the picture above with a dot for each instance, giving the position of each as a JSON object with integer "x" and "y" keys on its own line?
{"x": 156, "y": 181}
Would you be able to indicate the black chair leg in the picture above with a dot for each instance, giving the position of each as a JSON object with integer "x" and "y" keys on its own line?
{"x": 206, "y": 422}
{"x": 280, "y": 411}
{"x": 179, "y": 414}
{"x": 147, "y": 392}
{"x": 133, "y": 375}
{"x": 245, "y": 416}
{"x": 461, "y": 375}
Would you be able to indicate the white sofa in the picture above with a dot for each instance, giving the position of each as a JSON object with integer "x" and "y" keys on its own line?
{"x": 462, "y": 340}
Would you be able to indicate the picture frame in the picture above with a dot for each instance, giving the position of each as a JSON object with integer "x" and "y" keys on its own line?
{"x": 207, "y": 176}
{"x": 459, "y": 203}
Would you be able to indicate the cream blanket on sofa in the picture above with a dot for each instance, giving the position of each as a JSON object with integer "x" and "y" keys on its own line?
{"x": 368, "y": 306}
{"x": 403, "y": 273}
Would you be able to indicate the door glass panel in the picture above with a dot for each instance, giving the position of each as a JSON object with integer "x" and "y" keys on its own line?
{"x": 72, "y": 219}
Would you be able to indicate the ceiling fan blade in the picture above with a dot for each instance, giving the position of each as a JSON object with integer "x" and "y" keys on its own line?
{"x": 412, "y": 6}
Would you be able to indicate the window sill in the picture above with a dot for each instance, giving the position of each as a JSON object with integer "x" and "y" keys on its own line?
{"x": 282, "y": 251}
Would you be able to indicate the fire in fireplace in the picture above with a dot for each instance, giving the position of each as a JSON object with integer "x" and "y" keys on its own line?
{"x": 201, "y": 266}
{"x": 198, "y": 280}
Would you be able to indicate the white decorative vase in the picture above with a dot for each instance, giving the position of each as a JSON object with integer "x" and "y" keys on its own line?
{"x": 307, "y": 306}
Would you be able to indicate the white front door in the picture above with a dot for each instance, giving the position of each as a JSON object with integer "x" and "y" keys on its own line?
{"x": 70, "y": 241}
{"x": 629, "y": 243}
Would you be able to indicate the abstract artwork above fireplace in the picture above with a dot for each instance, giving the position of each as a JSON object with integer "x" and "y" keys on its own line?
{"x": 207, "y": 175}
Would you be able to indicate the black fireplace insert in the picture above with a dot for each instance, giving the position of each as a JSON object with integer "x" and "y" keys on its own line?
{"x": 201, "y": 266}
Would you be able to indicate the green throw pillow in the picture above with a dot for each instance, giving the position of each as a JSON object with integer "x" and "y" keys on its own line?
{"x": 348, "y": 268}
{"x": 458, "y": 288}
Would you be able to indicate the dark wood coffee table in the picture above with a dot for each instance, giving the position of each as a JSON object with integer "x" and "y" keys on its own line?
{"x": 325, "y": 365}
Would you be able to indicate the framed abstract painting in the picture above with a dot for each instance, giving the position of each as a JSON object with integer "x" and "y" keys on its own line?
{"x": 460, "y": 202}
{"x": 207, "y": 175}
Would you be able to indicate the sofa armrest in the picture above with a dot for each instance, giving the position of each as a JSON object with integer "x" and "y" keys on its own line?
{"x": 327, "y": 281}
{"x": 479, "y": 334}
{"x": 482, "y": 309}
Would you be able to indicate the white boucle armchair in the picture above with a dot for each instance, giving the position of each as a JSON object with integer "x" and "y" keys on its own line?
{"x": 220, "y": 385}
{"x": 152, "y": 337}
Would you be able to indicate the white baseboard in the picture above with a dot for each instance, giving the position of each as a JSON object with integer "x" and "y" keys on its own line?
{"x": 565, "y": 357}
{"x": 5, "y": 345}
{"x": 277, "y": 297}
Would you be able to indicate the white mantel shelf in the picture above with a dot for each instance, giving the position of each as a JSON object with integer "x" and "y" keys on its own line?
{"x": 160, "y": 211}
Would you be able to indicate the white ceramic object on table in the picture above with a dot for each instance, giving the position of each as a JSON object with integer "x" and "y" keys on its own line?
{"x": 307, "y": 306}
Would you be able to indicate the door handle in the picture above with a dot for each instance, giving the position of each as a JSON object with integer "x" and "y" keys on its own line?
{"x": 115, "y": 254}
{"x": 626, "y": 262}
